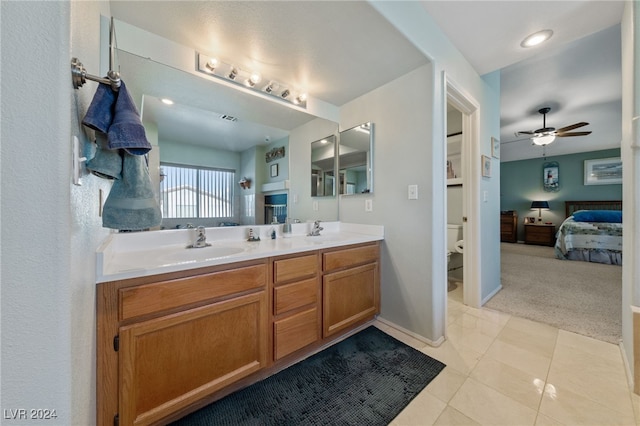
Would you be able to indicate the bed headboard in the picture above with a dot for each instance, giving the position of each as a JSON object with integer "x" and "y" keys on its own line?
{"x": 572, "y": 206}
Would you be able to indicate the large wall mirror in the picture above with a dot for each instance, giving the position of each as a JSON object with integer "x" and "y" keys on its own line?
{"x": 323, "y": 167}
{"x": 356, "y": 160}
{"x": 214, "y": 125}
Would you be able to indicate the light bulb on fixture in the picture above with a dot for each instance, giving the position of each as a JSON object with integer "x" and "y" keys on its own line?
{"x": 233, "y": 73}
{"x": 253, "y": 80}
{"x": 285, "y": 93}
{"x": 300, "y": 98}
{"x": 211, "y": 65}
{"x": 272, "y": 86}
{"x": 543, "y": 140}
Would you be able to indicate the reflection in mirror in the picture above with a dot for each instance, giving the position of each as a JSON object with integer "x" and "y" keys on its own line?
{"x": 356, "y": 160}
{"x": 213, "y": 126}
{"x": 323, "y": 170}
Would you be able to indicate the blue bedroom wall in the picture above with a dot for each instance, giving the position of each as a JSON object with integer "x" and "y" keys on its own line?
{"x": 521, "y": 183}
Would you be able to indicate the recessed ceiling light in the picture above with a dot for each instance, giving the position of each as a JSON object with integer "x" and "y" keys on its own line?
{"x": 536, "y": 38}
{"x": 167, "y": 101}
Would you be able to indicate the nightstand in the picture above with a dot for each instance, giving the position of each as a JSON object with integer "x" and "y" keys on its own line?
{"x": 543, "y": 235}
{"x": 509, "y": 226}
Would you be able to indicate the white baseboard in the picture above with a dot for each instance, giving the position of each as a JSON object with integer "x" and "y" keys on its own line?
{"x": 411, "y": 334}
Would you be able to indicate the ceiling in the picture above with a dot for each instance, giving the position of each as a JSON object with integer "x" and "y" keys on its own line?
{"x": 342, "y": 50}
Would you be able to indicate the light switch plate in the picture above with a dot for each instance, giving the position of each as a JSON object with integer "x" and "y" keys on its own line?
{"x": 368, "y": 205}
{"x": 413, "y": 192}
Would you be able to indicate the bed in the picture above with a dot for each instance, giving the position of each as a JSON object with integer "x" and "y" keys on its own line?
{"x": 591, "y": 232}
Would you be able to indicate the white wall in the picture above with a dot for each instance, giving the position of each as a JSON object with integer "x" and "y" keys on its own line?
{"x": 50, "y": 228}
{"x": 402, "y": 151}
{"x": 412, "y": 20}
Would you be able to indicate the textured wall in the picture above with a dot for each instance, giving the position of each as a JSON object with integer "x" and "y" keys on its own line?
{"x": 50, "y": 228}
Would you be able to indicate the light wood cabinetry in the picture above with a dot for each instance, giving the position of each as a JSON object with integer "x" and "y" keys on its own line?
{"x": 171, "y": 343}
{"x": 296, "y": 303}
{"x": 165, "y": 344}
{"x": 350, "y": 287}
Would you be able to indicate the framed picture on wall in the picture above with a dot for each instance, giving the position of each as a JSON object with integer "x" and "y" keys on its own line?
{"x": 603, "y": 171}
{"x": 486, "y": 166}
{"x": 274, "y": 170}
{"x": 495, "y": 147}
{"x": 551, "y": 177}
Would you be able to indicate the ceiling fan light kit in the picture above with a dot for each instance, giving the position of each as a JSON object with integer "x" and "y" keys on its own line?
{"x": 546, "y": 135}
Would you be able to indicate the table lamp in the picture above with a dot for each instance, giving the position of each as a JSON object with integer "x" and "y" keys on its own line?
{"x": 539, "y": 205}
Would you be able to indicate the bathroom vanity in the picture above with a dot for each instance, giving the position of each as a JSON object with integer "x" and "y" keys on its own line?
{"x": 176, "y": 335}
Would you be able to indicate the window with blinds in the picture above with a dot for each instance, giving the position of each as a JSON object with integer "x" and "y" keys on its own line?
{"x": 196, "y": 192}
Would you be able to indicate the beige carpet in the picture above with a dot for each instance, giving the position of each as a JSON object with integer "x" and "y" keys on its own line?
{"x": 582, "y": 297}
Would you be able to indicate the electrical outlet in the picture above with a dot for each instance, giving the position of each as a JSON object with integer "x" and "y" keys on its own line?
{"x": 295, "y": 198}
{"x": 368, "y": 205}
{"x": 413, "y": 192}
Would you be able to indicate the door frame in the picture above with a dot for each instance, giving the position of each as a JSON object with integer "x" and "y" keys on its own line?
{"x": 470, "y": 148}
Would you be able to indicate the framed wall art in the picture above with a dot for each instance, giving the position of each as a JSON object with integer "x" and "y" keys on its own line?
{"x": 603, "y": 171}
{"x": 274, "y": 170}
{"x": 551, "y": 177}
{"x": 495, "y": 147}
{"x": 486, "y": 166}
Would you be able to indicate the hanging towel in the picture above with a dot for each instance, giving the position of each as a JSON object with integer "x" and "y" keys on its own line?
{"x": 126, "y": 130}
{"x": 131, "y": 204}
{"x": 106, "y": 163}
{"x": 100, "y": 113}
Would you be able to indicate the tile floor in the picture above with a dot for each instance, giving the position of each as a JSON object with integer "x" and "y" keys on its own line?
{"x": 504, "y": 370}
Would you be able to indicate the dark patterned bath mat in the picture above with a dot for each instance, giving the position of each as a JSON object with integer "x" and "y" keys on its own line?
{"x": 366, "y": 379}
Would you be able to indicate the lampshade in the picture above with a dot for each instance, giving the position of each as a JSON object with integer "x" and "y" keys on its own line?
{"x": 539, "y": 205}
{"x": 543, "y": 140}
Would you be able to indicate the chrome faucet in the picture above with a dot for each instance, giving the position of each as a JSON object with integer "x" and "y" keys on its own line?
{"x": 200, "y": 238}
{"x": 315, "y": 231}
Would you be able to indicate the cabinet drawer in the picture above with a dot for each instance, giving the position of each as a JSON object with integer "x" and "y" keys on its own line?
{"x": 164, "y": 295}
{"x": 292, "y": 296}
{"x": 295, "y": 332}
{"x": 349, "y": 257}
{"x": 297, "y": 267}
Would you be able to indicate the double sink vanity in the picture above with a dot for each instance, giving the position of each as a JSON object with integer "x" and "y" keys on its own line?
{"x": 178, "y": 328}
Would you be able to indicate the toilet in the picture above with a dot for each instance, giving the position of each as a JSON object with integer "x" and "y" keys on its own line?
{"x": 455, "y": 246}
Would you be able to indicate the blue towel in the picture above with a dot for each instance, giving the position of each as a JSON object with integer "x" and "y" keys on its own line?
{"x": 126, "y": 130}
{"x": 106, "y": 163}
{"x": 100, "y": 113}
{"x": 131, "y": 204}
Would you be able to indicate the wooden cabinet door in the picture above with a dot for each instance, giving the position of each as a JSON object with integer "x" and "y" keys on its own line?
{"x": 349, "y": 296}
{"x": 170, "y": 362}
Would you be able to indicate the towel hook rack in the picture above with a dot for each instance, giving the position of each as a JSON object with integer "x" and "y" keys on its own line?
{"x": 79, "y": 75}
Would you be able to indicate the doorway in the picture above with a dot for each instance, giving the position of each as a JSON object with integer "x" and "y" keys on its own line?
{"x": 470, "y": 185}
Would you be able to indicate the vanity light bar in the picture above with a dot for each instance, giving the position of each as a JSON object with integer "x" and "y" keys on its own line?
{"x": 249, "y": 80}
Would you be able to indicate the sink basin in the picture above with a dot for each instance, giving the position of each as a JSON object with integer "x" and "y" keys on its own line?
{"x": 321, "y": 239}
{"x": 198, "y": 254}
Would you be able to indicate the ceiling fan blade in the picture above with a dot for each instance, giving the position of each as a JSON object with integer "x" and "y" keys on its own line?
{"x": 573, "y": 126}
{"x": 528, "y": 132}
{"x": 564, "y": 135}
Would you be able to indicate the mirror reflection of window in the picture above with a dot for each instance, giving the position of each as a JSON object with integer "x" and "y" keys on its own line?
{"x": 323, "y": 157}
{"x": 356, "y": 165}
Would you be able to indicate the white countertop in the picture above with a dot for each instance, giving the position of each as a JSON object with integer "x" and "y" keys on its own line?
{"x": 139, "y": 254}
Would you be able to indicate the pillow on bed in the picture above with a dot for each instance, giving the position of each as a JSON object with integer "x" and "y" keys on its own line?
{"x": 610, "y": 216}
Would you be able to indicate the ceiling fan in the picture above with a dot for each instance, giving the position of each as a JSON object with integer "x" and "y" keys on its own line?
{"x": 545, "y": 135}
